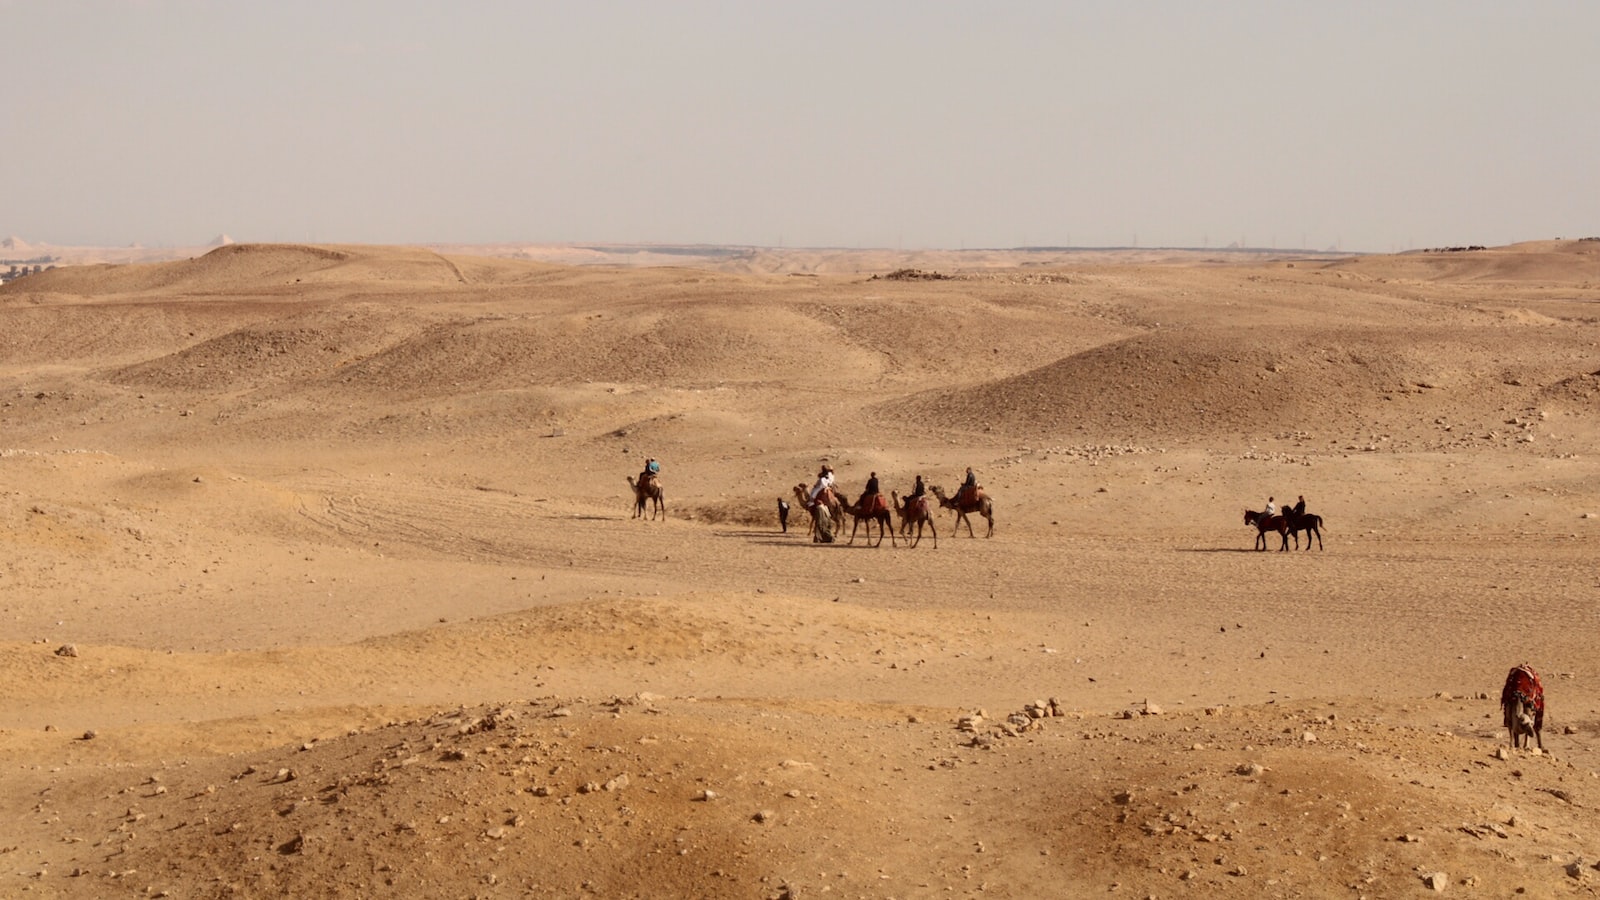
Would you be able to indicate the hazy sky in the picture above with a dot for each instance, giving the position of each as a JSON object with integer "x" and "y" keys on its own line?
{"x": 1374, "y": 125}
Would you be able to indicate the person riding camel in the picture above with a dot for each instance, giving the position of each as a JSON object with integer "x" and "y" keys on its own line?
{"x": 871, "y": 499}
{"x": 969, "y": 488}
{"x": 651, "y": 470}
{"x": 824, "y": 483}
{"x": 918, "y": 491}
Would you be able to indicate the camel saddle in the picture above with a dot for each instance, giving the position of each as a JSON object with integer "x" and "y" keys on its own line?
{"x": 968, "y": 495}
{"x": 872, "y": 504}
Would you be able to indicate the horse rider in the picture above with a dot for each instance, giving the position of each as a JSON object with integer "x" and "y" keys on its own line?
{"x": 1299, "y": 507}
{"x": 1272, "y": 508}
{"x": 824, "y": 483}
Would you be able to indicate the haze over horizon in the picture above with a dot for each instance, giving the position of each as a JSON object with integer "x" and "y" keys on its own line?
{"x": 917, "y": 125}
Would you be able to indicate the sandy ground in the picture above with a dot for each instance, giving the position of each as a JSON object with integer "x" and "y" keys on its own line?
{"x": 321, "y": 577}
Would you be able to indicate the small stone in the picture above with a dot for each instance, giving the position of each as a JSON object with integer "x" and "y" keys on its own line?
{"x": 616, "y": 784}
{"x": 1569, "y": 730}
{"x": 1151, "y": 709}
{"x": 1501, "y": 753}
{"x": 707, "y": 795}
{"x": 764, "y": 816}
{"x": 1123, "y": 798}
{"x": 1250, "y": 769}
{"x": 67, "y": 650}
{"x": 1576, "y": 869}
{"x": 1437, "y": 881}
{"x": 1308, "y": 737}
{"x": 90, "y": 735}
{"x": 1408, "y": 839}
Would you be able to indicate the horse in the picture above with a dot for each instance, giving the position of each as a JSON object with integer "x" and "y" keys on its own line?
{"x": 871, "y": 508}
{"x": 1265, "y": 523}
{"x": 915, "y": 511}
{"x": 963, "y": 503}
{"x": 1522, "y": 700}
{"x": 648, "y": 489}
{"x": 1310, "y": 523}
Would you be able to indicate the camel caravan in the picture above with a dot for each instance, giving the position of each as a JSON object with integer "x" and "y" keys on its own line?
{"x": 828, "y": 507}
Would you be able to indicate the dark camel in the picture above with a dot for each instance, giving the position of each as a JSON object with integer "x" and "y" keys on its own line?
{"x": 880, "y": 514}
{"x": 915, "y": 512}
{"x": 646, "y": 490}
{"x": 962, "y": 504}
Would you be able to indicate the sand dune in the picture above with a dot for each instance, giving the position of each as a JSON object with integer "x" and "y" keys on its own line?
{"x": 322, "y": 577}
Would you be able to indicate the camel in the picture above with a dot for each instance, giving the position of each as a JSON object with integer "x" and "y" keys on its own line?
{"x": 830, "y": 501}
{"x": 979, "y": 503}
{"x": 915, "y": 511}
{"x": 878, "y": 513}
{"x": 648, "y": 489}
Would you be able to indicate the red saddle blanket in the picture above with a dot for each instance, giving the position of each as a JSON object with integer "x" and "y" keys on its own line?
{"x": 1523, "y": 681}
{"x": 872, "y": 504}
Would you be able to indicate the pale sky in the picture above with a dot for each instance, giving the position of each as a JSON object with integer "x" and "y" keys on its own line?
{"x": 1371, "y": 125}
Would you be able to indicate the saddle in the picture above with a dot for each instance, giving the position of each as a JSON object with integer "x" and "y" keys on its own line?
{"x": 872, "y": 504}
{"x": 968, "y": 495}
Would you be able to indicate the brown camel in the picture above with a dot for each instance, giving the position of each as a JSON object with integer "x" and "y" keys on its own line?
{"x": 979, "y": 503}
{"x": 646, "y": 490}
{"x": 829, "y": 504}
{"x": 879, "y": 513}
{"x": 915, "y": 512}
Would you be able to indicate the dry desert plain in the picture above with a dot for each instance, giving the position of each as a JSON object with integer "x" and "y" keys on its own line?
{"x": 321, "y": 580}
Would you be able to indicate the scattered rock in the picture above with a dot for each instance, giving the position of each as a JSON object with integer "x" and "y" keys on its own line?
{"x": 1250, "y": 769}
{"x": 707, "y": 795}
{"x": 1436, "y": 881}
{"x": 67, "y": 650}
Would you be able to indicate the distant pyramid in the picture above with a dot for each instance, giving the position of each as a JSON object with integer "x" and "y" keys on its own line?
{"x": 15, "y": 245}
{"x": 220, "y": 240}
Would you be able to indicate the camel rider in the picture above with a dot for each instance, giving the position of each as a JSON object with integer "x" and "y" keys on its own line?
{"x": 651, "y": 470}
{"x": 969, "y": 488}
{"x": 869, "y": 497}
{"x": 1300, "y": 506}
{"x": 824, "y": 483}
{"x": 917, "y": 492}
{"x": 1272, "y": 508}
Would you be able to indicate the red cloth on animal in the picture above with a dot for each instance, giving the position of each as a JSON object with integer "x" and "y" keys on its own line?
{"x": 877, "y": 503}
{"x": 1524, "y": 682}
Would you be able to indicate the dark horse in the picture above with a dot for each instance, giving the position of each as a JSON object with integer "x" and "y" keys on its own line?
{"x": 1310, "y": 523}
{"x": 1265, "y": 523}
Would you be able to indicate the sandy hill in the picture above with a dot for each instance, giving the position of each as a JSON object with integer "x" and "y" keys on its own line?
{"x": 322, "y": 576}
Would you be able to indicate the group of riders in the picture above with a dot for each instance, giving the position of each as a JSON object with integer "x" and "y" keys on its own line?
{"x": 1297, "y": 510}
{"x": 872, "y": 499}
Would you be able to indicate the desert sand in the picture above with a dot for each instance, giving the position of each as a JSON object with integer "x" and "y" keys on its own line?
{"x": 321, "y": 576}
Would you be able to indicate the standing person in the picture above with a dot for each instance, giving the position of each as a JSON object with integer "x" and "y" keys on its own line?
{"x": 783, "y": 514}
{"x": 1300, "y": 506}
{"x": 1272, "y": 508}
